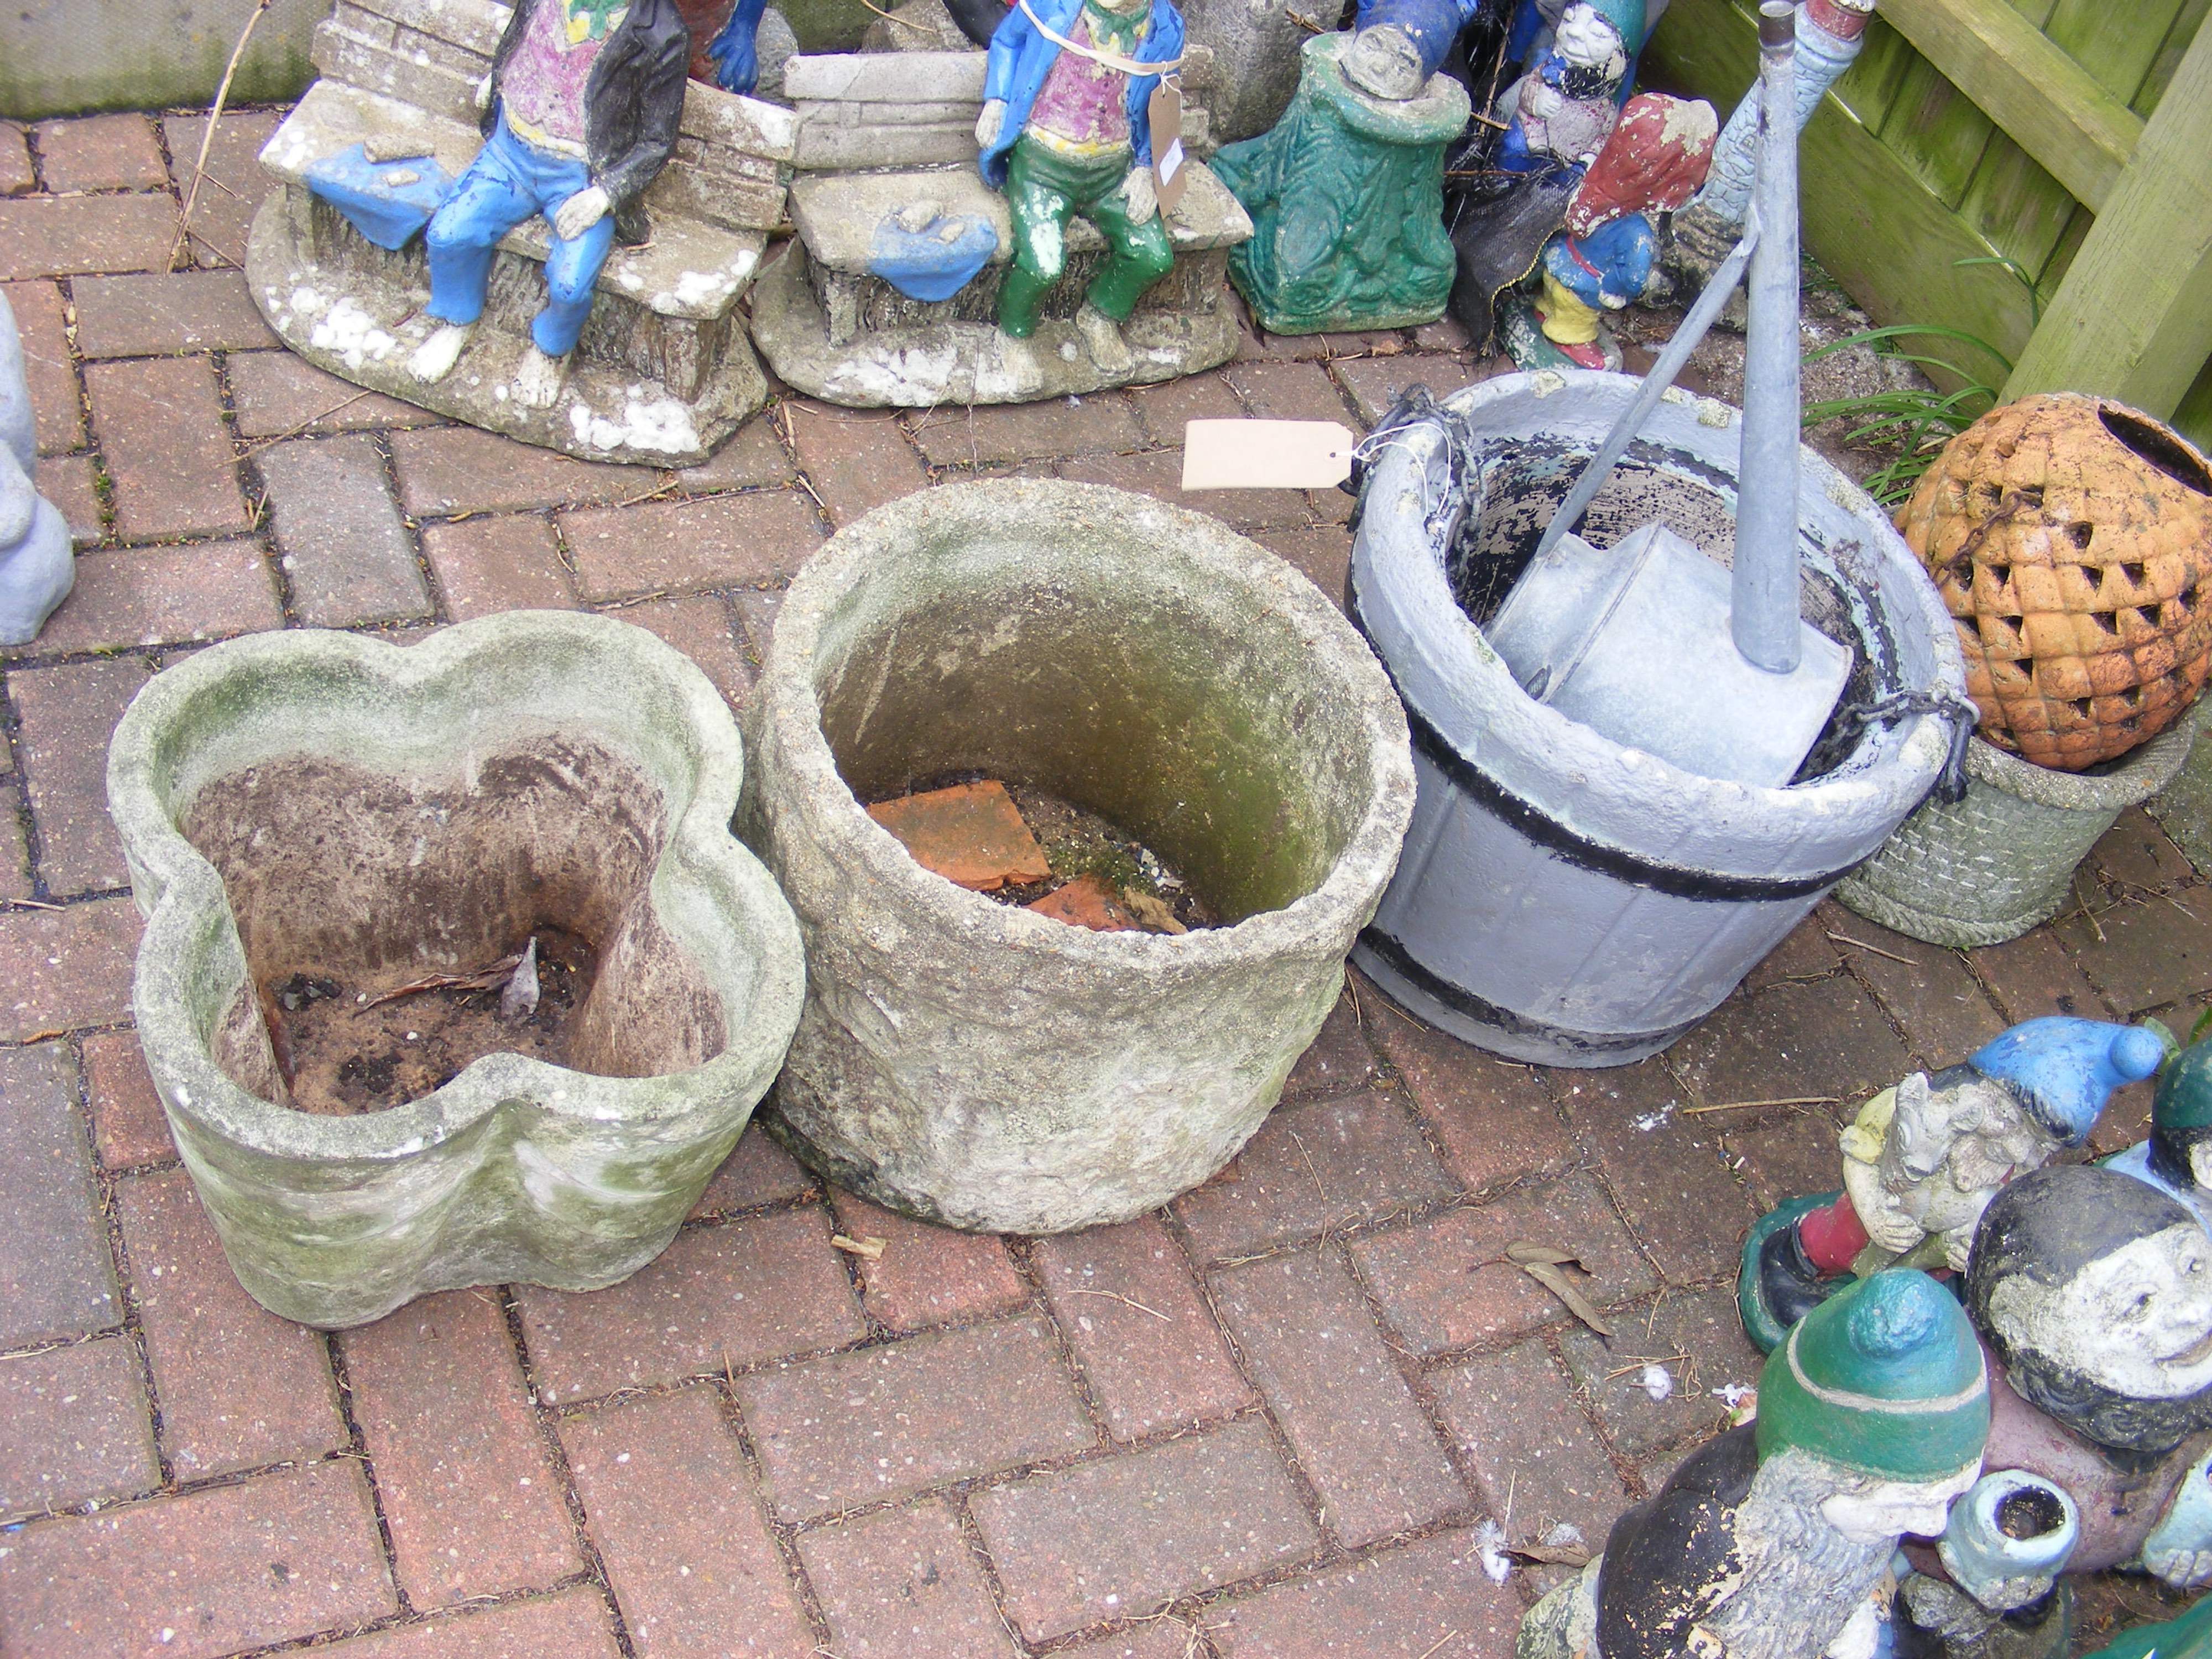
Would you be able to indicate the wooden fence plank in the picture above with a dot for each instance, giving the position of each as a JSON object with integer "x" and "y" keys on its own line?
{"x": 1870, "y": 85}
{"x": 1936, "y": 131}
{"x": 2021, "y": 207}
{"x": 2169, "y": 56}
{"x": 2116, "y": 40}
{"x": 1869, "y": 219}
{"x": 2133, "y": 319}
{"x": 2052, "y": 108}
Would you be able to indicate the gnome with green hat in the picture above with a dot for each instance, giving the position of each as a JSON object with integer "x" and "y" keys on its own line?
{"x": 2176, "y": 1158}
{"x": 1775, "y": 1540}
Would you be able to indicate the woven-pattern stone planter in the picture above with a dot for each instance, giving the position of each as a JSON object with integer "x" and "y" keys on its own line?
{"x": 310, "y": 801}
{"x": 2003, "y": 860}
{"x": 983, "y": 1065}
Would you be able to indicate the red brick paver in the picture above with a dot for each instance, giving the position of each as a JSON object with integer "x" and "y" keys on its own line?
{"x": 75, "y": 1427}
{"x": 239, "y": 1386}
{"x": 1143, "y": 1334}
{"x": 65, "y": 968}
{"x": 888, "y": 1421}
{"x": 160, "y": 426}
{"x": 720, "y": 1298}
{"x": 1358, "y": 1432}
{"x": 55, "y": 1276}
{"x": 101, "y": 152}
{"x": 469, "y": 1489}
{"x": 283, "y": 1555}
{"x": 672, "y": 1508}
{"x": 166, "y": 315}
{"x": 903, "y": 1584}
{"x": 68, "y": 714}
{"x": 1115, "y": 1539}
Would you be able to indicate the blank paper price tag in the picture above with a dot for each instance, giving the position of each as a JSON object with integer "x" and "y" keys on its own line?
{"x": 1266, "y": 454}
{"x": 1165, "y": 114}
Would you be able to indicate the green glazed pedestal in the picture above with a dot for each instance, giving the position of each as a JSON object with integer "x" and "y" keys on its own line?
{"x": 1347, "y": 198}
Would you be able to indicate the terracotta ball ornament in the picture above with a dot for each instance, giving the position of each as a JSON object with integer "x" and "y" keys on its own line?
{"x": 2071, "y": 538}
{"x": 1775, "y": 1539}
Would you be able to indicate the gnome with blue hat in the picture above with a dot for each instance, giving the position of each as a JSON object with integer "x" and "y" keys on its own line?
{"x": 1923, "y": 1160}
{"x": 1776, "y": 1540}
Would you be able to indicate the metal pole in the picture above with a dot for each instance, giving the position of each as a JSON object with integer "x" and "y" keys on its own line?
{"x": 1764, "y": 616}
{"x": 1662, "y": 376}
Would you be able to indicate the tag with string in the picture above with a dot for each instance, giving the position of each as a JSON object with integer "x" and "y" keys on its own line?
{"x": 1266, "y": 454}
{"x": 1169, "y": 173}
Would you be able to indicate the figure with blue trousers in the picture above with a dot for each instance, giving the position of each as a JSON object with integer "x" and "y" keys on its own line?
{"x": 581, "y": 114}
{"x": 1065, "y": 130}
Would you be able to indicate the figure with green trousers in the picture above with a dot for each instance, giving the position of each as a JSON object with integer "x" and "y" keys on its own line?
{"x": 1066, "y": 130}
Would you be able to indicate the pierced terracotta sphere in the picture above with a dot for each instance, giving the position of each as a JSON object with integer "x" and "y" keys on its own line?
{"x": 2071, "y": 538}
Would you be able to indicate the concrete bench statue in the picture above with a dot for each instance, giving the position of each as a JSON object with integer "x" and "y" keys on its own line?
{"x": 904, "y": 286}
{"x": 588, "y": 219}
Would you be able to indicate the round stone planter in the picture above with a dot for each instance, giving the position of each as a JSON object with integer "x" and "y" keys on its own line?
{"x": 2003, "y": 860}
{"x": 315, "y": 802}
{"x": 974, "y": 1063}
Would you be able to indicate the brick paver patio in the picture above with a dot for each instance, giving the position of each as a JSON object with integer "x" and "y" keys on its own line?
{"x": 1267, "y": 1423}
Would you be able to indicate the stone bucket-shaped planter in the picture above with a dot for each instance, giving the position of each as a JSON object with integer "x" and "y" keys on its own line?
{"x": 1563, "y": 898}
{"x": 984, "y": 1066}
{"x": 310, "y": 801}
{"x": 2003, "y": 860}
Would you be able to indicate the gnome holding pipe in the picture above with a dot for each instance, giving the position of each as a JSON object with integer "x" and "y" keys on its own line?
{"x": 1065, "y": 129}
{"x": 1775, "y": 1539}
{"x": 580, "y": 114}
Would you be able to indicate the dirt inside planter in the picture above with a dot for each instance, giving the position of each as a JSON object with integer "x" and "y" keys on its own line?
{"x": 1102, "y": 876}
{"x": 359, "y": 1048}
{"x": 349, "y": 883}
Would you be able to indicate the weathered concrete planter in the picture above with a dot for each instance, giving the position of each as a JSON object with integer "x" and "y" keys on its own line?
{"x": 981, "y": 1066}
{"x": 2004, "y": 859}
{"x": 303, "y": 800}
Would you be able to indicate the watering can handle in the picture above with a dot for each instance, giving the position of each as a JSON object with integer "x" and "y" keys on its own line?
{"x": 1662, "y": 376}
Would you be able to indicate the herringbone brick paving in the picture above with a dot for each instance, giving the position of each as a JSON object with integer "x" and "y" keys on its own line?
{"x": 1268, "y": 1422}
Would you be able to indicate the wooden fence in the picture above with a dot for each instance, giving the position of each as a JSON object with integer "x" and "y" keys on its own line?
{"x": 2072, "y": 137}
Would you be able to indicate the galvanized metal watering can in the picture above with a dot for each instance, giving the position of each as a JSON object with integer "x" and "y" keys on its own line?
{"x": 1650, "y": 641}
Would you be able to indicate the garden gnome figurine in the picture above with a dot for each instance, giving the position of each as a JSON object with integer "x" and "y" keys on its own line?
{"x": 2177, "y": 1157}
{"x": 1347, "y": 198}
{"x": 1558, "y": 115}
{"x": 1775, "y": 1540}
{"x": 1923, "y": 1160}
{"x": 1066, "y": 129}
{"x": 2092, "y": 1293}
{"x": 581, "y": 112}
{"x": 36, "y": 569}
{"x": 1606, "y": 254}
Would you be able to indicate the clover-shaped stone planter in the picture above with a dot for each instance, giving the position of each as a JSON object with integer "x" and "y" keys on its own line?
{"x": 309, "y": 801}
{"x": 975, "y": 1063}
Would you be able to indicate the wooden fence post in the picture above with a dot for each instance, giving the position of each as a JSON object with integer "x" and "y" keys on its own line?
{"x": 2133, "y": 318}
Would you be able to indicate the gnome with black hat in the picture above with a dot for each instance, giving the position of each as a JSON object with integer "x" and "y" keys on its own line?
{"x": 1775, "y": 1540}
{"x": 1923, "y": 1159}
{"x": 2092, "y": 1293}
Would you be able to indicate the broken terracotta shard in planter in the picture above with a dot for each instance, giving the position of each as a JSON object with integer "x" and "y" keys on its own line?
{"x": 977, "y": 1063}
{"x": 314, "y": 802}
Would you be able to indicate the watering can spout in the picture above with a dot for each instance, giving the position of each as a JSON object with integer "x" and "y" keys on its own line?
{"x": 1763, "y": 618}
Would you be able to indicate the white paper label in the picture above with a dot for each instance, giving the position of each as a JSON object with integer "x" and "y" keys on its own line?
{"x": 1171, "y": 163}
{"x": 1266, "y": 454}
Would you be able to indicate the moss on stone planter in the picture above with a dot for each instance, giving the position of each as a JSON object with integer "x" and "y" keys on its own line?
{"x": 994, "y": 1068}
{"x": 308, "y": 803}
